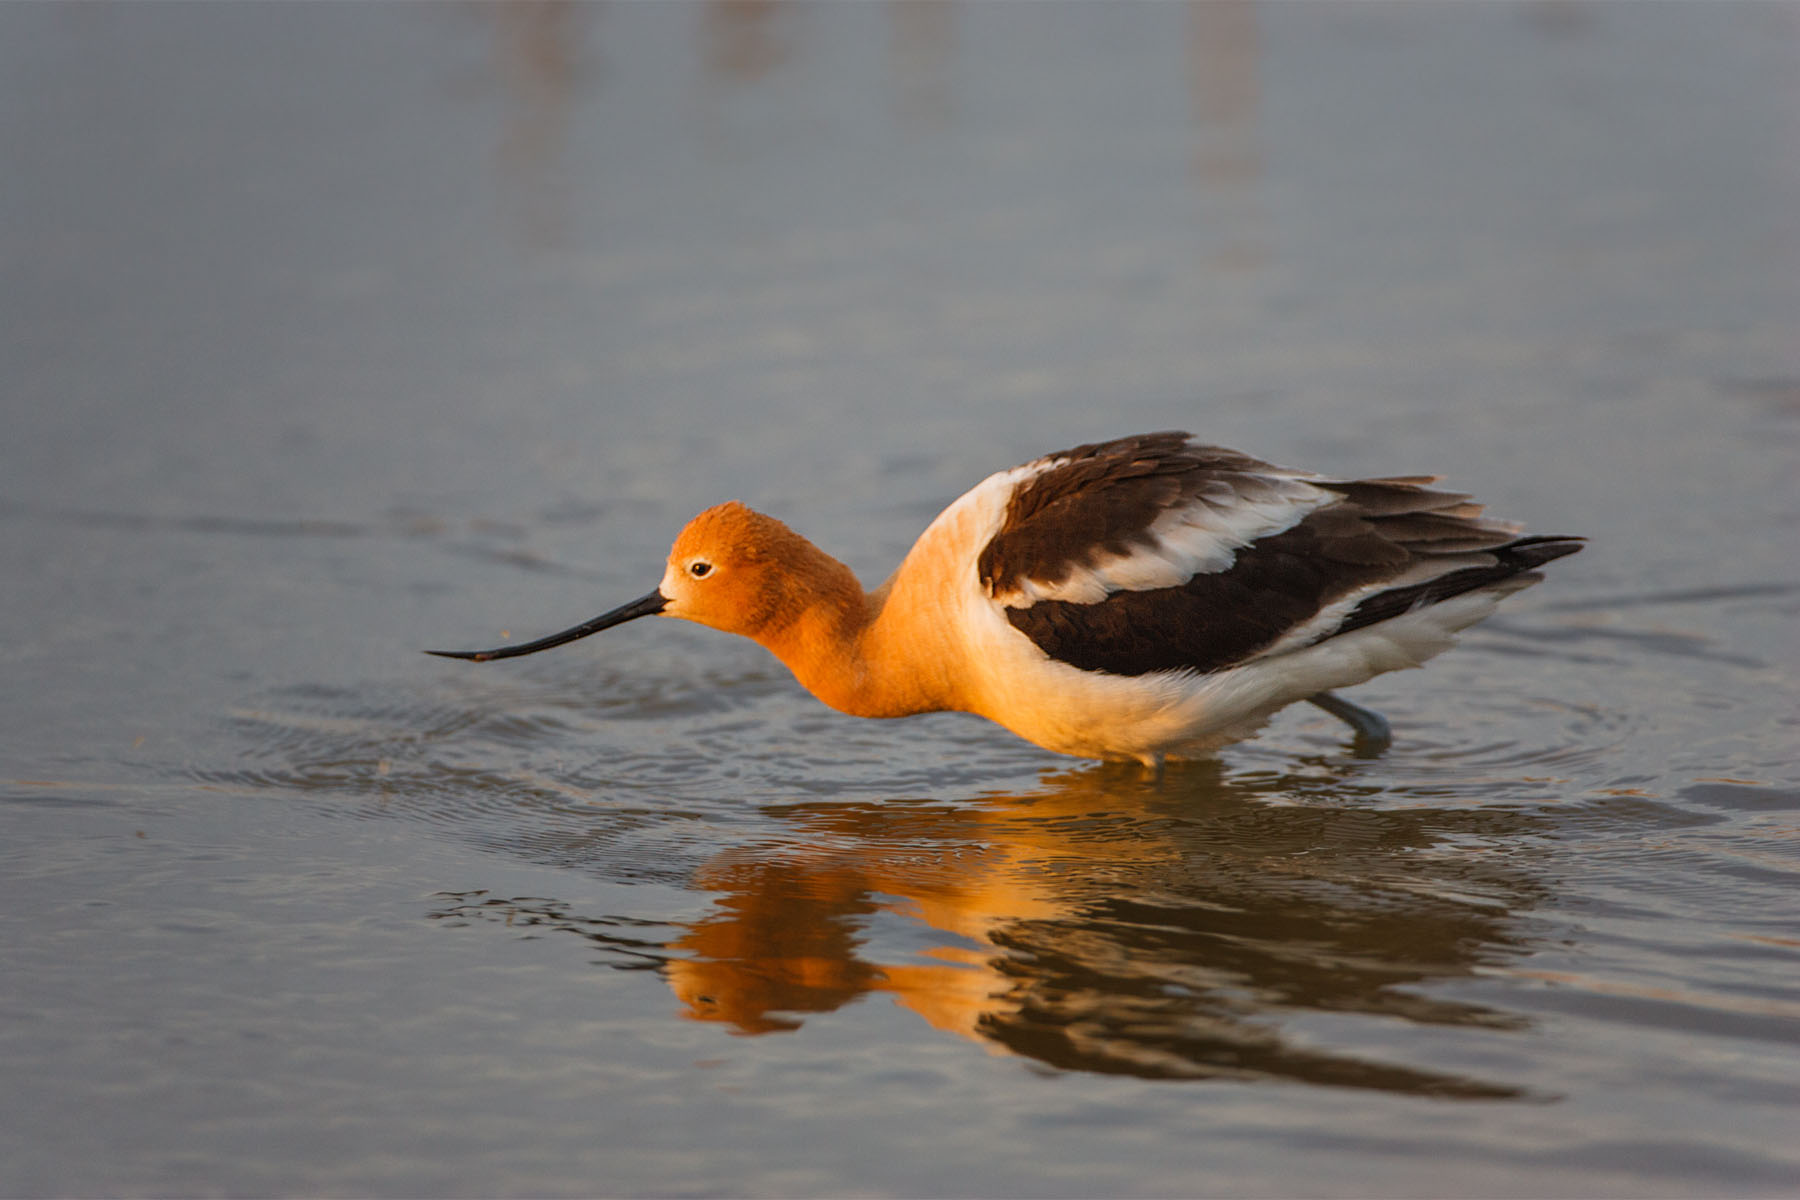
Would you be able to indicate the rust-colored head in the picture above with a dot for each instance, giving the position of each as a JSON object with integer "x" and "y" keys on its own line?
{"x": 733, "y": 568}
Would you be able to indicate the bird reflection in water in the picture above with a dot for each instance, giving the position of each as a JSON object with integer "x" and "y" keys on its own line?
{"x": 1105, "y": 923}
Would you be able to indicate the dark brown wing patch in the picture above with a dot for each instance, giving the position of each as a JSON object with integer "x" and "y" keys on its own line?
{"x": 1215, "y": 620}
{"x": 1101, "y": 499}
{"x": 1379, "y": 529}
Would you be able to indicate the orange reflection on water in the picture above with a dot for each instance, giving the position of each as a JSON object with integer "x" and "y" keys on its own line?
{"x": 1110, "y": 924}
{"x": 1107, "y": 923}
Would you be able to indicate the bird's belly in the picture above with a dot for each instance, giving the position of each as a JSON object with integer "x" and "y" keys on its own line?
{"x": 1095, "y": 715}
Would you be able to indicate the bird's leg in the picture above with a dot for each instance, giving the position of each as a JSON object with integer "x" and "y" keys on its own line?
{"x": 1373, "y": 733}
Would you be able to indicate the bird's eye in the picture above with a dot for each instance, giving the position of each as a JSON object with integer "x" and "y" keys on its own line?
{"x": 699, "y": 569}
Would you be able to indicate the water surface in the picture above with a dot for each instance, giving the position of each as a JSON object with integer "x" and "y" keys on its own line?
{"x": 333, "y": 333}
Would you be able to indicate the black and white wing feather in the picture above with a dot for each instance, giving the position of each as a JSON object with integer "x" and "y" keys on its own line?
{"x": 1157, "y": 553}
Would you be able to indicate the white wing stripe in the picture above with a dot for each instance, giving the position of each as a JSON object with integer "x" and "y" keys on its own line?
{"x": 1202, "y": 536}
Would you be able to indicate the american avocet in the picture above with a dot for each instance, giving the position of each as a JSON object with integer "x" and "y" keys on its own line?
{"x": 1132, "y": 599}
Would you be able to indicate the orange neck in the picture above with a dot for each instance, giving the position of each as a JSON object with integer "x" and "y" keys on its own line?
{"x": 889, "y": 653}
{"x": 859, "y": 652}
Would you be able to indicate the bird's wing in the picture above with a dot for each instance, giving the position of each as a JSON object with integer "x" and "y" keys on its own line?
{"x": 1157, "y": 553}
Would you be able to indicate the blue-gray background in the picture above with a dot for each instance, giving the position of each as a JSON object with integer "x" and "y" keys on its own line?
{"x": 329, "y": 333}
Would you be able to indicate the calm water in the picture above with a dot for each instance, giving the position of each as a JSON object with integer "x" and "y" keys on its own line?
{"x": 331, "y": 333}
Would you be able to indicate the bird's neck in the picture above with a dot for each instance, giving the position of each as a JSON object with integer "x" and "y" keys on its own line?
{"x": 866, "y": 654}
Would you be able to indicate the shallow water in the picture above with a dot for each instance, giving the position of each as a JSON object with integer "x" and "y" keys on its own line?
{"x": 333, "y": 333}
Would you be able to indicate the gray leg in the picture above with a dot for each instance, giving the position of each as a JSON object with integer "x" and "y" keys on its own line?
{"x": 1373, "y": 733}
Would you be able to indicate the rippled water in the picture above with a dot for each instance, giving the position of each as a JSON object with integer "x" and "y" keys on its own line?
{"x": 335, "y": 333}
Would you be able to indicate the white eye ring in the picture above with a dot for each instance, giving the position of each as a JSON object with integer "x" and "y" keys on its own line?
{"x": 699, "y": 568}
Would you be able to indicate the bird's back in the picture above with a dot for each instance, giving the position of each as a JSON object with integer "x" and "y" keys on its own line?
{"x": 1155, "y": 590}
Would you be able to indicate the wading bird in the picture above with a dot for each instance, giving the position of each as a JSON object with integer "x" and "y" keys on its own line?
{"x": 1140, "y": 598}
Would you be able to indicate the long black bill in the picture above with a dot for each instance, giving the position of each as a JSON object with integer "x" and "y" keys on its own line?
{"x": 644, "y": 606}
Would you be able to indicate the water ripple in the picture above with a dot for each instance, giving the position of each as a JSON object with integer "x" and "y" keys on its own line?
{"x": 1086, "y": 917}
